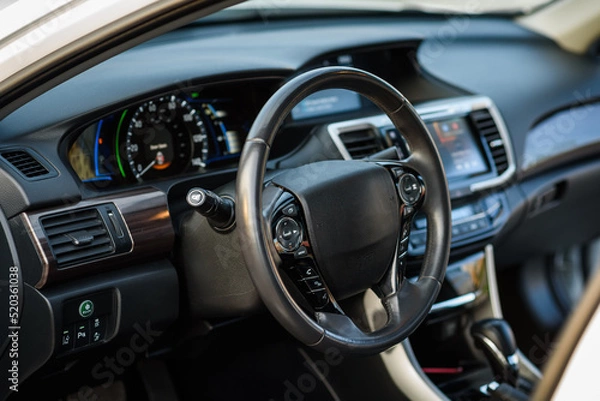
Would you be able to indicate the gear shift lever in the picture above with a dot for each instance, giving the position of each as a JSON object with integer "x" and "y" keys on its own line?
{"x": 495, "y": 338}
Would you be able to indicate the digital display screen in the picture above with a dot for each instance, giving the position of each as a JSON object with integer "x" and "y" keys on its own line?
{"x": 459, "y": 151}
{"x": 325, "y": 102}
{"x": 91, "y": 154}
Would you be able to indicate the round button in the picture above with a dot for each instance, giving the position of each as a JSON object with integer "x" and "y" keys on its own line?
{"x": 86, "y": 308}
{"x": 410, "y": 189}
{"x": 288, "y": 233}
{"x": 195, "y": 197}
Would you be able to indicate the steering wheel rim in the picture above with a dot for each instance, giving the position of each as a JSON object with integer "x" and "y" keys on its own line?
{"x": 407, "y": 305}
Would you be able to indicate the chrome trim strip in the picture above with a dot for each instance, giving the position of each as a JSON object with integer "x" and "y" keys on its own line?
{"x": 454, "y": 303}
{"x": 435, "y": 110}
{"x": 530, "y": 371}
{"x": 490, "y": 267}
{"x": 39, "y": 250}
{"x": 503, "y": 131}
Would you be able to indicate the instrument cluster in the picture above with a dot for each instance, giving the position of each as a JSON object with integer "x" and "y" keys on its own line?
{"x": 170, "y": 135}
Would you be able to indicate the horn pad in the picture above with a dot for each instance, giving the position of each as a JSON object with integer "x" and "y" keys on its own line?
{"x": 352, "y": 212}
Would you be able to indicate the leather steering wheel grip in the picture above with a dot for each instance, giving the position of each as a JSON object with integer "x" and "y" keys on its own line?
{"x": 410, "y": 306}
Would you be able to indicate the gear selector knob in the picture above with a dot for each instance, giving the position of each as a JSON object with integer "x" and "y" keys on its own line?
{"x": 497, "y": 341}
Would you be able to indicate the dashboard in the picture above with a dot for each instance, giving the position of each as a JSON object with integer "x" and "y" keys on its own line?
{"x": 173, "y": 114}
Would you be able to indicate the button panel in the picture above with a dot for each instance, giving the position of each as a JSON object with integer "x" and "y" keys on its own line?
{"x": 468, "y": 220}
{"x": 309, "y": 282}
{"x": 86, "y": 321}
{"x": 97, "y": 329}
{"x": 292, "y": 244}
{"x": 408, "y": 215}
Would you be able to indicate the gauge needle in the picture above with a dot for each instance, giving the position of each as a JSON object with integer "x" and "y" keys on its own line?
{"x": 148, "y": 167}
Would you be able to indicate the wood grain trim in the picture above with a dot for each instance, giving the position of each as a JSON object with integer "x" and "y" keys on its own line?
{"x": 148, "y": 221}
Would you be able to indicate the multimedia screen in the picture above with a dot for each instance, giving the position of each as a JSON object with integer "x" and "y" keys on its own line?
{"x": 460, "y": 154}
{"x": 325, "y": 102}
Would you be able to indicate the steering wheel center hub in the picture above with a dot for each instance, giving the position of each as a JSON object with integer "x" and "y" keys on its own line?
{"x": 353, "y": 220}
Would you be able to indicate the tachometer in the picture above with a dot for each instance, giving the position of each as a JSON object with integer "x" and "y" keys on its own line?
{"x": 165, "y": 137}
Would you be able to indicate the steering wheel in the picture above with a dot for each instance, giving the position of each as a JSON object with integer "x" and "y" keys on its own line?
{"x": 320, "y": 233}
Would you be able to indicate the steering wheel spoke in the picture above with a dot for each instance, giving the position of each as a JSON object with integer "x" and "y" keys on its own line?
{"x": 340, "y": 322}
{"x": 411, "y": 191}
{"x": 290, "y": 241}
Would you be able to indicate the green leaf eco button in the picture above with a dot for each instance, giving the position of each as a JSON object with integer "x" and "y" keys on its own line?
{"x": 86, "y": 308}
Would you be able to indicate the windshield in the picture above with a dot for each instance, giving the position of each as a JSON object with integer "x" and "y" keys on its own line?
{"x": 433, "y": 6}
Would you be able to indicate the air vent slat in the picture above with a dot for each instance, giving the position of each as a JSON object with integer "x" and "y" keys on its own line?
{"x": 77, "y": 236}
{"x": 78, "y": 215}
{"x": 361, "y": 143}
{"x": 59, "y": 223}
{"x": 499, "y": 152}
{"x": 65, "y": 249}
{"x": 486, "y": 124}
{"x": 56, "y": 240}
{"x": 349, "y": 141}
{"x": 365, "y": 148}
{"x": 63, "y": 229}
{"x": 25, "y": 163}
{"x": 488, "y": 130}
{"x": 83, "y": 255}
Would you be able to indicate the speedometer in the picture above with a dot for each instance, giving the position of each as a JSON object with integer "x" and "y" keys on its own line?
{"x": 165, "y": 137}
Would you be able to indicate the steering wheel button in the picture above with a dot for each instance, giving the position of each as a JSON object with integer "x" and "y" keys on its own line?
{"x": 302, "y": 252}
{"x": 410, "y": 189}
{"x": 405, "y": 229}
{"x": 403, "y": 246}
{"x": 319, "y": 298}
{"x": 289, "y": 233}
{"x": 305, "y": 271}
{"x": 290, "y": 210}
{"x": 314, "y": 284}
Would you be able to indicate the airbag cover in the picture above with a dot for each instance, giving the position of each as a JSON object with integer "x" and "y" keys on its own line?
{"x": 353, "y": 217}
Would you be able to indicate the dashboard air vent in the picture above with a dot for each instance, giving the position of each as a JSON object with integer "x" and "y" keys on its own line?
{"x": 26, "y": 164}
{"x": 77, "y": 236}
{"x": 487, "y": 128}
{"x": 361, "y": 143}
